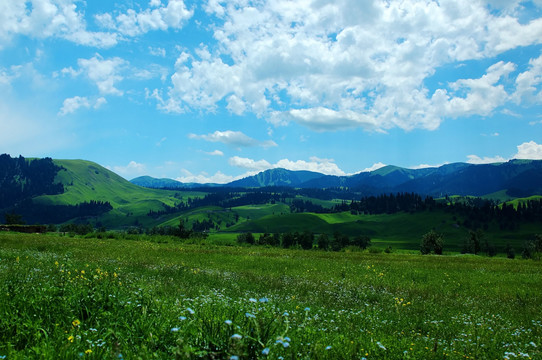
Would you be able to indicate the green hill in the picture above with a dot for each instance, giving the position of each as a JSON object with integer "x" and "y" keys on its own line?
{"x": 85, "y": 181}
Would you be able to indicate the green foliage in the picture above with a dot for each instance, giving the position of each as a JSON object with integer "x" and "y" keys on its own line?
{"x": 363, "y": 241}
{"x": 13, "y": 219}
{"x": 323, "y": 242}
{"x": 532, "y": 249}
{"x": 246, "y": 238}
{"x": 432, "y": 242}
{"x": 96, "y": 298}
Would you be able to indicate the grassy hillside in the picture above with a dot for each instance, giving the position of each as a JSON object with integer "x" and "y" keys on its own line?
{"x": 85, "y": 181}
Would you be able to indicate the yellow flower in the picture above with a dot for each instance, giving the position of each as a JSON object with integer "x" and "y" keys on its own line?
{"x": 76, "y": 323}
{"x": 88, "y": 351}
{"x": 70, "y": 338}
{"x": 82, "y": 271}
{"x": 56, "y": 263}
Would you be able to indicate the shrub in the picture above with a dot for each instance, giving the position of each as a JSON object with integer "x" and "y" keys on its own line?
{"x": 432, "y": 242}
{"x": 246, "y": 238}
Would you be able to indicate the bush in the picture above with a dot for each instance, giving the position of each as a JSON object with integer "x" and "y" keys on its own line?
{"x": 323, "y": 242}
{"x": 432, "y": 242}
{"x": 246, "y": 238}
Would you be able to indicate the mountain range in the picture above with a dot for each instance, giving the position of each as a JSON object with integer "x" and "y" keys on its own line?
{"x": 516, "y": 178}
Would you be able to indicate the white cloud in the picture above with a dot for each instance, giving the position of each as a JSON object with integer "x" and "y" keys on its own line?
{"x": 347, "y": 64}
{"x": 100, "y": 102}
{"x": 233, "y": 138}
{"x": 324, "y": 166}
{"x": 71, "y": 105}
{"x": 249, "y": 164}
{"x": 105, "y": 73}
{"x": 475, "y": 159}
{"x": 49, "y": 18}
{"x": 528, "y": 83}
{"x": 529, "y": 150}
{"x": 133, "y": 23}
{"x": 215, "y": 153}
{"x": 157, "y": 51}
{"x": 133, "y": 169}
{"x": 204, "y": 178}
{"x": 375, "y": 166}
{"x": 159, "y": 143}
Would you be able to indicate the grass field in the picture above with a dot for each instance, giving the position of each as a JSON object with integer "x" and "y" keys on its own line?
{"x": 65, "y": 298}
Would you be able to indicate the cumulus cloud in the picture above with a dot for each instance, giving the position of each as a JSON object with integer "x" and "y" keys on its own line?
{"x": 529, "y": 150}
{"x": 71, "y": 105}
{"x": 204, "y": 178}
{"x": 375, "y": 166}
{"x": 233, "y": 138}
{"x": 475, "y": 159}
{"x": 324, "y": 166}
{"x": 157, "y": 17}
{"x": 245, "y": 163}
{"x": 347, "y": 64}
{"x": 133, "y": 169}
{"x": 49, "y": 18}
{"x": 525, "y": 151}
{"x": 105, "y": 73}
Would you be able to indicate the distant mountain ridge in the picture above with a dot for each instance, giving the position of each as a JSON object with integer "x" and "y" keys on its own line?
{"x": 516, "y": 177}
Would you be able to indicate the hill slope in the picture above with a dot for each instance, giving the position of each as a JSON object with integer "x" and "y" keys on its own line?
{"x": 86, "y": 181}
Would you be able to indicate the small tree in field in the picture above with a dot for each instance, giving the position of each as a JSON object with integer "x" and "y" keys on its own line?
{"x": 432, "y": 242}
{"x": 246, "y": 238}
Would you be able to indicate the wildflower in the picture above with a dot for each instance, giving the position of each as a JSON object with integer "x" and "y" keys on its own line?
{"x": 88, "y": 351}
{"x": 265, "y": 351}
{"x": 234, "y": 357}
{"x": 264, "y": 300}
{"x": 249, "y": 315}
{"x": 307, "y": 309}
{"x": 252, "y": 300}
{"x": 93, "y": 330}
{"x": 192, "y": 312}
{"x": 228, "y": 322}
{"x": 70, "y": 338}
{"x": 236, "y": 337}
{"x": 328, "y": 347}
{"x": 76, "y": 323}
{"x": 182, "y": 318}
{"x": 285, "y": 314}
{"x": 175, "y": 329}
{"x": 380, "y": 345}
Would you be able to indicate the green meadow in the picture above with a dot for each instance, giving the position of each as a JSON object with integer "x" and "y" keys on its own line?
{"x": 146, "y": 297}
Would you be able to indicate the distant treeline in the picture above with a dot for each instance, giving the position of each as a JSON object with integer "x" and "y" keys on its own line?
{"x": 55, "y": 214}
{"x": 22, "y": 179}
{"x": 226, "y": 199}
{"x": 475, "y": 212}
{"x": 306, "y": 240}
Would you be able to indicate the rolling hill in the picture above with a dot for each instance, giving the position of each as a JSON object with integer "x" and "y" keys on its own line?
{"x": 85, "y": 181}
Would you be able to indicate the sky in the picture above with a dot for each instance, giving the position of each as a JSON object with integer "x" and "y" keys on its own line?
{"x": 213, "y": 91}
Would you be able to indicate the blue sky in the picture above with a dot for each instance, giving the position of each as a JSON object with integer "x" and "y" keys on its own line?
{"x": 211, "y": 91}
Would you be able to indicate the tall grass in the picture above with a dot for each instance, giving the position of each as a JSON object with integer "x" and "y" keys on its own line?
{"x": 69, "y": 298}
